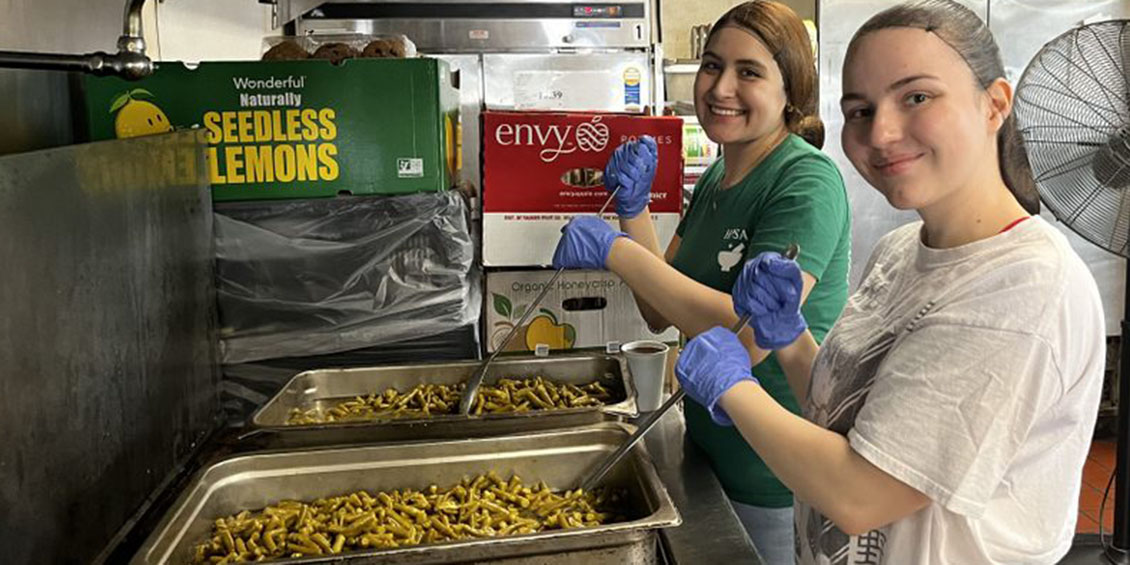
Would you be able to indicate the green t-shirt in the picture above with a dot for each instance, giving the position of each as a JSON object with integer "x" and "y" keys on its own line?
{"x": 795, "y": 195}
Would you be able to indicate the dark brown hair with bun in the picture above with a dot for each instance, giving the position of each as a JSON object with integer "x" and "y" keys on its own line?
{"x": 783, "y": 32}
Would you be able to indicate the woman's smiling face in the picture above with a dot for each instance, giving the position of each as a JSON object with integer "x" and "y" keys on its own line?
{"x": 916, "y": 124}
{"x": 739, "y": 93}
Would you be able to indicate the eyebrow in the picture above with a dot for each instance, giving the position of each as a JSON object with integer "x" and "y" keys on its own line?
{"x": 851, "y": 96}
{"x": 750, "y": 62}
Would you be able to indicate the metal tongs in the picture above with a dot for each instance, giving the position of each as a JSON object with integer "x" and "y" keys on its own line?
{"x": 472, "y": 390}
{"x": 649, "y": 422}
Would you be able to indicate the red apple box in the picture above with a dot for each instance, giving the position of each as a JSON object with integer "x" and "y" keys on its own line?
{"x": 550, "y": 162}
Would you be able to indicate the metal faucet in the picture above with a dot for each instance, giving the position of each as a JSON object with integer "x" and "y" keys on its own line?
{"x": 130, "y": 62}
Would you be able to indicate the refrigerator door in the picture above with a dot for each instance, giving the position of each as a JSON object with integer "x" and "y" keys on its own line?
{"x": 607, "y": 82}
{"x": 871, "y": 215}
{"x": 1022, "y": 27}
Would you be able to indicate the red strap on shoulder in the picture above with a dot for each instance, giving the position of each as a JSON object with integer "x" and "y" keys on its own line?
{"x": 1013, "y": 224}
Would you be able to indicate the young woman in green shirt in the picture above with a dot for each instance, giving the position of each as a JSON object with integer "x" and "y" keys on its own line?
{"x": 755, "y": 94}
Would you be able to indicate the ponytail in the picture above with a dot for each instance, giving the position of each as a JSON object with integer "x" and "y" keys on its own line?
{"x": 1015, "y": 169}
{"x": 811, "y": 129}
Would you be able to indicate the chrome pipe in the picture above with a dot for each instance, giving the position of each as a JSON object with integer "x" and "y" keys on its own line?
{"x": 132, "y": 24}
{"x": 130, "y": 62}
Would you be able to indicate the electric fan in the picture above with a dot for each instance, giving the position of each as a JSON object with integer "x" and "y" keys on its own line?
{"x": 1073, "y": 110}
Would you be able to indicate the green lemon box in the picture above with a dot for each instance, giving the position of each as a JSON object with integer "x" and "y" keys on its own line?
{"x": 296, "y": 129}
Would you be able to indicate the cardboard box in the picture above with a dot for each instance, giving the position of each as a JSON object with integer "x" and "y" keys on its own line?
{"x": 540, "y": 169}
{"x": 297, "y": 129}
{"x": 584, "y": 309}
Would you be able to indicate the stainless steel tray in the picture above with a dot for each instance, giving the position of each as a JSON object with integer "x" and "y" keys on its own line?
{"x": 558, "y": 457}
{"x": 323, "y": 387}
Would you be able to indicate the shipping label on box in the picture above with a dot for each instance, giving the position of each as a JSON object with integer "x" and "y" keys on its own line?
{"x": 526, "y": 240}
{"x": 583, "y": 309}
{"x": 296, "y": 129}
{"x": 541, "y": 169}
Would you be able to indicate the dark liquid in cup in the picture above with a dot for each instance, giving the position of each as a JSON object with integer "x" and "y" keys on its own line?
{"x": 646, "y": 349}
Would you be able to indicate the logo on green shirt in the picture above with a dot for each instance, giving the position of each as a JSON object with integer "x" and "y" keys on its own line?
{"x": 734, "y": 239}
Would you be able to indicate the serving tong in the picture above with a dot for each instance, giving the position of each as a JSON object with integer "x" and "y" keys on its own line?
{"x": 649, "y": 422}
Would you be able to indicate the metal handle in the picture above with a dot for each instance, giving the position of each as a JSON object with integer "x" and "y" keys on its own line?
{"x": 476, "y": 380}
{"x": 644, "y": 427}
{"x": 649, "y": 422}
{"x": 790, "y": 253}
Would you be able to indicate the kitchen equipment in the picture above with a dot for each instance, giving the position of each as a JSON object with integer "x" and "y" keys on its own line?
{"x": 649, "y": 422}
{"x": 325, "y": 387}
{"x": 477, "y": 377}
{"x": 1073, "y": 111}
{"x": 256, "y": 480}
{"x": 480, "y": 26}
{"x": 1028, "y": 25}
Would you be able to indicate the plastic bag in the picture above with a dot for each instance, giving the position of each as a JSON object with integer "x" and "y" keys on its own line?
{"x": 309, "y": 277}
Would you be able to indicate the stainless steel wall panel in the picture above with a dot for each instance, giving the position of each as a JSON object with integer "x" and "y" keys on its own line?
{"x": 107, "y": 326}
{"x": 1022, "y": 27}
{"x": 872, "y": 216}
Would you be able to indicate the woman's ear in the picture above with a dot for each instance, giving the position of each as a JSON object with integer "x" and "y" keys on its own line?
{"x": 1000, "y": 103}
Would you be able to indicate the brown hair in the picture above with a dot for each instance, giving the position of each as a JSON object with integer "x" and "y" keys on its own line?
{"x": 783, "y": 32}
{"x": 966, "y": 34}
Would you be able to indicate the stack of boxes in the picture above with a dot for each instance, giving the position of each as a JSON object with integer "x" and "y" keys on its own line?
{"x": 338, "y": 241}
{"x": 541, "y": 169}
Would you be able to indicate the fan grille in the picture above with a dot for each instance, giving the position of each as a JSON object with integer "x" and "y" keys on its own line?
{"x": 1073, "y": 110}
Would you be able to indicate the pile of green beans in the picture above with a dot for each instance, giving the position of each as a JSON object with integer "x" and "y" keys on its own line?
{"x": 507, "y": 395}
{"x": 482, "y": 507}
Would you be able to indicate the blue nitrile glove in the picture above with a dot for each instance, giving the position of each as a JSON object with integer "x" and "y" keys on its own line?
{"x": 585, "y": 243}
{"x": 632, "y": 168}
{"x": 709, "y": 365}
{"x": 769, "y": 289}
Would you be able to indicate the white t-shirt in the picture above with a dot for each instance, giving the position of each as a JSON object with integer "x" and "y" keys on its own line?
{"x": 972, "y": 374}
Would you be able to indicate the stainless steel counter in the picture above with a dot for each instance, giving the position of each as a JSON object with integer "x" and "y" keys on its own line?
{"x": 711, "y": 532}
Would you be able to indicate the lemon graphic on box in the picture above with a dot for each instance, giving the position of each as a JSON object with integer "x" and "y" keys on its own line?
{"x": 543, "y": 328}
{"x": 138, "y": 117}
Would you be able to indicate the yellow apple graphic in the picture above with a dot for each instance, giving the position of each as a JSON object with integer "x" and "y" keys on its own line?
{"x": 545, "y": 329}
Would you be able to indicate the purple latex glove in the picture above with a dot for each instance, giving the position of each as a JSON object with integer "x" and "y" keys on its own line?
{"x": 585, "y": 243}
{"x": 632, "y": 168}
{"x": 769, "y": 289}
{"x": 709, "y": 365}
